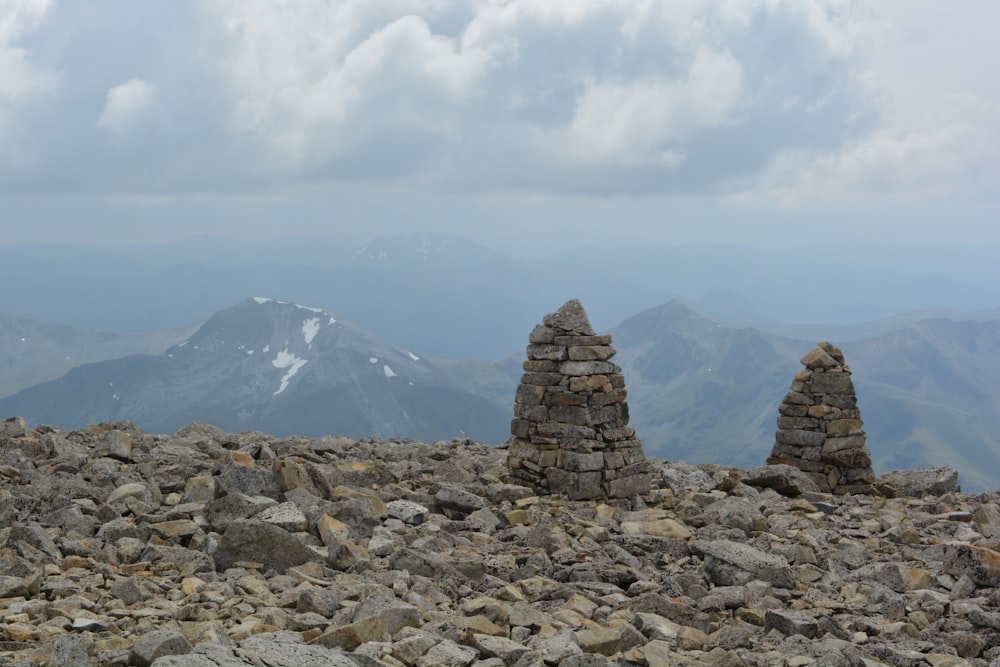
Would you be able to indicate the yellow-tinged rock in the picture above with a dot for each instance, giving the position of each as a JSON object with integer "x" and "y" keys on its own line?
{"x": 945, "y": 660}
{"x": 241, "y": 459}
{"x": 518, "y": 518}
{"x": 574, "y": 619}
{"x": 478, "y": 624}
{"x": 113, "y": 643}
{"x": 330, "y": 528}
{"x": 605, "y": 511}
{"x": 19, "y": 632}
{"x": 660, "y": 528}
{"x": 917, "y": 578}
{"x": 192, "y": 585}
{"x": 690, "y": 639}
{"x": 605, "y": 641}
{"x": 581, "y": 605}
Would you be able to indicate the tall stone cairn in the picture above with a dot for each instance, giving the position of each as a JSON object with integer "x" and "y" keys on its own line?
{"x": 819, "y": 425}
{"x": 570, "y": 433}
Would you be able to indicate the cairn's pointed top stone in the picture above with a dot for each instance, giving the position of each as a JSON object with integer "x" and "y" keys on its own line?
{"x": 570, "y": 317}
{"x": 833, "y": 351}
{"x": 819, "y": 358}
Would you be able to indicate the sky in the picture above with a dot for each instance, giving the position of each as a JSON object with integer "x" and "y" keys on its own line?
{"x": 521, "y": 123}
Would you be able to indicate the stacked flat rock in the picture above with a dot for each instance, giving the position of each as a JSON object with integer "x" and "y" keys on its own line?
{"x": 570, "y": 433}
{"x": 819, "y": 425}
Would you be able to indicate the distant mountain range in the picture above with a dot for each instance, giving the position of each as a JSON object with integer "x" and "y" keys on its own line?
{"x": 918, "y": 325}
{"x": 451, "y": 298}
{"x": 698, "y": 390}
{"x": 33, "y": 352}
{"x": 270, "y": 366}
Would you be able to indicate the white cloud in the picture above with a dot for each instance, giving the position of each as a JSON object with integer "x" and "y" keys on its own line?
{"x": 943, "y": 156}
{"x": 795, "y": 101}
{"x": 636, "y": 122}
{"x": 126, "y": 104}
{"x": 20, "y": 77}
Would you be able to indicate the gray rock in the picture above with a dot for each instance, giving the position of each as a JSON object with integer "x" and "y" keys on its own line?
{"x": 790, "y": 622}
{"x": 156, "y": 644}
{"x": 69, "y": 651}
{"x": 918, "y": 483}
{"x": 256, "y": 541}
{"x": 35, "y": 536}
{"x": 459, "y": 500}
{"x": 785, "y": 479}
{"x": 407, "y": 511}
{"x": 729, "y": 563}
{"x": 395, "y": 613}
{"x": 570, "y": 317}
{"x": 233, "y": 506}
{"x": 281, "y": 650}
{"x": 284, "y": 515}
{"x": 980, "y": 564}
{"x": 499, "y": 647}
{"x": 250, "y": 481}
{"x": 447, "y": 653}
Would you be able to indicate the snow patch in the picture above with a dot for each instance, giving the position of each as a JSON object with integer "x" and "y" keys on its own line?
{"x": 388, "y": 371}
{"x": 249, "y": 351}
{"x": 309, "y": 329}
{"x": 332, "y": 321}
{"x": 267, "y": 348}
{"x": 285, "y": 359}
{"x": 182, "y": 344}
{"x": 263, "y": 299}
{"x": 413, "y": 356}
{"x": 372, "y": 360}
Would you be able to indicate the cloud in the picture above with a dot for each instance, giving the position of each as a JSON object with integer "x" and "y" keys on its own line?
{"x": 788, "y": 101}
{"x": 638, "y": 122}
{"x": 125, "y": 105}
{"x": 953, "y": 151}
{"x": 20, "y": 76}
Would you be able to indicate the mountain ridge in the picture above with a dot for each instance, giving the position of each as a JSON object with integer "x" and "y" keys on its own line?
{"x": 698, "y": 391}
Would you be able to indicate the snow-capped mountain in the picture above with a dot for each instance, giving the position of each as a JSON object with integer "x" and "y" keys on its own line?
{"x": 271, "y": 366}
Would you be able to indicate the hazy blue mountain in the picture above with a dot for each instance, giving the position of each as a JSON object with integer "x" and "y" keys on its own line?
{"x": 706, "y": 393}
{"x": 929, "y": 396}
{"x": 275, "y": 367}
{"x": 698, "y": 390}
{"x": 457, "y": 299}
{"x": 33, "y": 352}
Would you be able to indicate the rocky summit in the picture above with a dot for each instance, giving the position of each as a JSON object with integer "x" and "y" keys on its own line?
{"x": 213, "y": 549}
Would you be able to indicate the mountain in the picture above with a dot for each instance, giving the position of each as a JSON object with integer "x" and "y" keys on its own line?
{"x": 702, "y": 392}
{"x": 270, "y": 366}
{"x": 458, "y": 299}
{"x": 452, "y": 297}
{"x": 32, "y": 352}
{"x": 929, "y": 396}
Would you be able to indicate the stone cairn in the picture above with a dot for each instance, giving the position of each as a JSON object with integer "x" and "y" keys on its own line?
{"x": 570, "y": 433}
{"x": 819, "y": 425}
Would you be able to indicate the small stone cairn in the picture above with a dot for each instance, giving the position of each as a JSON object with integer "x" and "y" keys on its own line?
{"x": 819, "y": 425}
{"x": 570, "y": 433}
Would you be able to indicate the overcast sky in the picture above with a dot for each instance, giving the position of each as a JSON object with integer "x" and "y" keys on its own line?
{"x": 517, "y": 122}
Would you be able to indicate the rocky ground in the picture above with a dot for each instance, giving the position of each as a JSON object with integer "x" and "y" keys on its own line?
{"x": 206, "y": 549}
